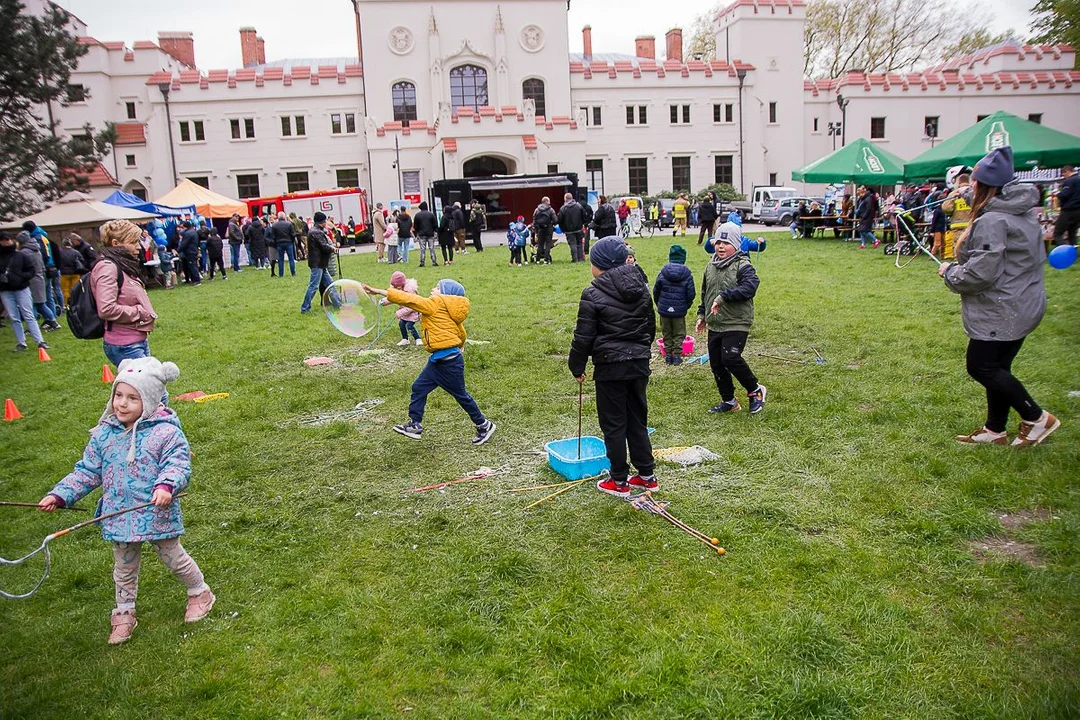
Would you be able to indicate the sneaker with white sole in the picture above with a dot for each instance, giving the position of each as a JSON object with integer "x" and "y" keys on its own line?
{"x": 484, "y": 432}
{"x": 403, "y": 342}
{"x": 983, "y": 436}
{"x": 1034, "y": 433}
{"x": 123, "y": 624}
{"x": 645, "y": 482}
{"x": 411, "y": 429}
{"x": 419, "y": 341}
{"x": 609, "y": 486}
{"x": 757, "y": 399}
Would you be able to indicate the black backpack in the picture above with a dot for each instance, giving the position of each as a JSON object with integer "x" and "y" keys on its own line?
{"x": 82, "y": 313}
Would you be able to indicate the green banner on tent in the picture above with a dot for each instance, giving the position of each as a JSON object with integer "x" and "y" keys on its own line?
{"x": 860, "y": 161}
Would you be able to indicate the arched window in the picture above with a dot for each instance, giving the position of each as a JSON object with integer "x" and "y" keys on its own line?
{"x": 404, "y": 96}
{"x": 468, "y": 87}
{"x": 533, "y": 89}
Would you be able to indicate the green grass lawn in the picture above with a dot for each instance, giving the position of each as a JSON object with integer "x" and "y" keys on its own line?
{"x": 851, "y": 587}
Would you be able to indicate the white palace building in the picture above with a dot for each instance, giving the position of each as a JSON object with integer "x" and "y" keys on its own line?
{"x": 467, "y": 88}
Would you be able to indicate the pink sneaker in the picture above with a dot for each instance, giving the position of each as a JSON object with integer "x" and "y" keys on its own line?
{"x": 198, "y": 606}
{"x": 123, "y": 624}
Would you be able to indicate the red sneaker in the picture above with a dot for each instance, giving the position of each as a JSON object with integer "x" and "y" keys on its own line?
{"x": 609, "y": 486}
{"x": 645, "y": 483}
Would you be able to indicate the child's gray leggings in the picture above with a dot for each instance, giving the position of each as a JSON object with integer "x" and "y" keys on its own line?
{"x": 126, "y": 558}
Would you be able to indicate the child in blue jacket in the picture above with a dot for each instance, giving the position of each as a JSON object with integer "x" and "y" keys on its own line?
{"x": 674, "y": 293}
{"x": 138, "y": 454}
{"x": 517, "y": 237}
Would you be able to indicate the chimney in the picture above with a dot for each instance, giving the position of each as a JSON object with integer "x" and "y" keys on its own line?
{"x": 249, "y": 49}
{"x": 674, "y": 44}
{"x": 181, "y": 45}
{"x": 645, "y": 47}
{"x": 586, "y": 37}
{"x": 260, "y": 45}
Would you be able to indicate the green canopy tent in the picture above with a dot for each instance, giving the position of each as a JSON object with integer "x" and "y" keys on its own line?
{"x": 1033, "y": 145}
{"x": 860, "y": 162}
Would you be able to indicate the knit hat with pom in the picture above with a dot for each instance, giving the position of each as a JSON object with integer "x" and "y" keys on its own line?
{"x": 148, "y": 376}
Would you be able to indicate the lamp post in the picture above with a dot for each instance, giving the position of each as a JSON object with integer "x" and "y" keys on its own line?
{"x": 842, "y": 102}
{"x": 835, "y": 129}
{"x": 931, "y": 132}
{"x": 741, "y": 73}
{"x": 164, "y": 88}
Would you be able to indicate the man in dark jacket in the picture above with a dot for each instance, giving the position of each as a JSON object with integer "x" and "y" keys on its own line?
{"x": 544, "y": 220}
{"x": 586, "y": 230}
{"x": 189, "y": 252}
{"x": 285, "y": 241}
{"x": 674, "y": 293}
{"x": 89, "y": 254}
{"x": 572, "y": 223}
{"x": 1069, "y": 198}
{"x": 300, "y": 230}
{"x": 616, "y": 327}
{"x": 16, "y": 273}
{"x": 604, "y": 222}
{"x": 457, "y": 224}
{"x": 426, "y": 228}
{"x": 71, "y": 268}
{"x": 866, "y": 213}
{"x": 235, "y": 236}
{"x": 215, "y": 254}
{"x": 255, "y": 234}
{"x": 318, "y": 259}
{"x": 707, "y": 213}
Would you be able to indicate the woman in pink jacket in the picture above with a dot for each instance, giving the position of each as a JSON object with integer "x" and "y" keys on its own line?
{"x": 121, "y": 298}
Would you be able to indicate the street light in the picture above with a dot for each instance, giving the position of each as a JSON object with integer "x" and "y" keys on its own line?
{"x": 931, "y": 132}
{"x": 835, "y": 129}
{"x": 842, "y": 102}
{"x": 164, "y": 88}
{"x": 741, "y": 73}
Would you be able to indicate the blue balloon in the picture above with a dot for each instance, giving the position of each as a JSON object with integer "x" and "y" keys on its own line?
{"x": 558, "y": 230}
{"x": 1062, "y": 256}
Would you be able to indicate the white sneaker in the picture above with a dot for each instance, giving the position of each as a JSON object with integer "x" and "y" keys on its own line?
{"x": 1034, "y": 433}
{"x": 418, "y": 341}
{"x": 983, "y": 436}
{"x": 403, "y": 342}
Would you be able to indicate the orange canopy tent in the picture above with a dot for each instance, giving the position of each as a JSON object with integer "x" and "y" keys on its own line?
{"x": 207, "y": 202}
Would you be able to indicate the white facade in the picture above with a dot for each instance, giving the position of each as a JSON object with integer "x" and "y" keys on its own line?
{"x": 784, "y": 118}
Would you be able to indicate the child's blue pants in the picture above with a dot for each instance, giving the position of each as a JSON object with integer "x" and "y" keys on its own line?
{"x": 449, "y": 374}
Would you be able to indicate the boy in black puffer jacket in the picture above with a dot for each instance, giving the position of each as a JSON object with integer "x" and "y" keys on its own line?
{"x": 616, "y": 327}
{"x": 674, "y": 293}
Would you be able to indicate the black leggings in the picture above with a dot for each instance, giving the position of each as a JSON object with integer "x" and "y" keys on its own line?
{"x": 989, "y": 363}
{"x": 725, "y": 359}
{"x": 447, "y": 245}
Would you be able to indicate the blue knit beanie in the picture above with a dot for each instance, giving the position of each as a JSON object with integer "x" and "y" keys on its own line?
{"x": 451, "y": 287}
{"x": 608, "y": 253}
{"x": 996, "y": 168}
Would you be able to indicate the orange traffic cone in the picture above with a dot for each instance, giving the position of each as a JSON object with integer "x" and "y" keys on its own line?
{"x": 107, "y": 374}
{"x": 10, "y": 411}
{"x": 43, "y": 356}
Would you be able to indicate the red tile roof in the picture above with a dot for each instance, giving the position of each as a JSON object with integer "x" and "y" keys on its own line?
{"x": 130, "y": 134}
{"x": 96, "y": 176}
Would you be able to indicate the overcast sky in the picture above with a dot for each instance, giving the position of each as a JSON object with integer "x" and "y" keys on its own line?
{"x": 324, "y": 28}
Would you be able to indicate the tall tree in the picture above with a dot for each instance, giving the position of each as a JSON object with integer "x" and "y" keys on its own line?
{"x": 702, "y": 43}
{"x": 37, "y": 56}
{"x": 1057, "y": 22}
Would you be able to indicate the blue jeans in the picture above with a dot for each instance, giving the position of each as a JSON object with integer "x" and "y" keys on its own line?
{"x": 314, "y": 286}
{"x": 50, "y": 298}
{"x": 59, "y": 301}
{"x": 403, "y": 249}
{"x": 45, "y": 310}
{"x": 203, "y": 256}
{"x": 408, "y": 327}
{"x": 284, "y": 249}
{"x": 116, "y": 353}
{"x": 20, "y": 308}
{"x": 449, "y": 374}
{"x": 234, "y": 256}
{"x": 867, "y": 236}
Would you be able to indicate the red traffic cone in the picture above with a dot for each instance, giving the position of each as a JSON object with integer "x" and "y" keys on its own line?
{"x": 10, "y": 411}
{"x": 43, "y": 356}
{"x": 107, "y": 374}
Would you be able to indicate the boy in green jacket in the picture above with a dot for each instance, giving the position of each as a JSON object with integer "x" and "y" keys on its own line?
{"x": 727, "y": 290}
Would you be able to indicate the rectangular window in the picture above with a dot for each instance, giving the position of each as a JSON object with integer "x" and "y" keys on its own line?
{"x": 772, "y": 179}
{"x": 680, "y": 173}
{"x": 350, "y": 123}
{"x": 292, "y": 126}
{"x": 249, "y": 127}
{"x": 630, "y": 116}
{"x": 247, "y": 186}
{"x": 639, "y": 175}
{"x": 877, "y": 128}
{"x": 129, "y": 108}
{"x": 772, "y": 112}
{"x": 200, "y": 136}
{"x": 597, "y": 116}
{"x": 1035, "y": 118}
{"x": 723, "y": 170}
{"x": 300, "y": 125}
{"x": 717, "y": 113}
{"x": 335, "y": 124}
{"x": 729, "y": 112}
{"x": 286, "y": 126}
{"x": 686, "y": 114}
{"x": 129, "y": 160}
{"x": 594, "y": 169}
{"x": 815, "y": 124}
{"x": 930, "y": 125}
{"x": 349, "y": 178}
{"x": 76, "y": 93}
{"x": 674, "y": 114}
{"x": 201, "y": 181}
{"x": 642, "y": 115}
{"x": 296, "y": 181}
{"x": 553, "y": 168}
{"x": 675, "y": 117}
{"x": 234, "y": 126}
{"x": 191, "y": 131}
{"x": 185, "y": 132}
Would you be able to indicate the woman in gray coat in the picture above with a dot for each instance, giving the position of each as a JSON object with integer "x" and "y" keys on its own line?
{"x": 999, "y": 277}
{"x": 29, "y": 247}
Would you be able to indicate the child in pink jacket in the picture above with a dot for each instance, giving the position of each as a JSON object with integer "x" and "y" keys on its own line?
{"x": 407, "y": 317}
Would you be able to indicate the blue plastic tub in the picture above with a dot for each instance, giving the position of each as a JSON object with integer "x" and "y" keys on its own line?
{"x": 563, "y": 457}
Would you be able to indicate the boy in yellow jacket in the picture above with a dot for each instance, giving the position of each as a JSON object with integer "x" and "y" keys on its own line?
{"x": 442, "y": 318}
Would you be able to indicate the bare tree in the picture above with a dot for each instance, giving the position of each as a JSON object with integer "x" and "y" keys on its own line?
{"x": 702, "y": 43}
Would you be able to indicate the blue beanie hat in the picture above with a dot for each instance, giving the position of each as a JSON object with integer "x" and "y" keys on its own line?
{"x": 996, "y": 168}
{"x": 451, "y": 287}
{"x": 608, "y": 253}
{"x": 735, "y": 217}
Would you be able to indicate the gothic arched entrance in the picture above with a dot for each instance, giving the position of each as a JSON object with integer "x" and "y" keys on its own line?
{"x": 486, "y": 166}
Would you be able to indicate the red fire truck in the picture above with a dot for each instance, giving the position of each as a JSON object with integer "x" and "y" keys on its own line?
{"x": 340, "y": 204}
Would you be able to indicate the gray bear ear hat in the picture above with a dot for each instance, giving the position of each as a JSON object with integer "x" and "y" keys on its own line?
{"x": 148, "y": 376}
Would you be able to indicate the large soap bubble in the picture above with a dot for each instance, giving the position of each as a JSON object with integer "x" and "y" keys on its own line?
{"x": 349, "y": 308}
